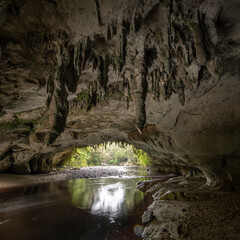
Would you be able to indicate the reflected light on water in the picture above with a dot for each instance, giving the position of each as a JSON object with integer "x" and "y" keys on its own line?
{"x": 78, "y": 209}
{"x": 108, "y": 201}
{"x": 112, "y": 199}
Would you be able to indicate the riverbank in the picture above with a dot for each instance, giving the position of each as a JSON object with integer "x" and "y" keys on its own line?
{"x": 182, "y": 210}
{"x": 106, "y": 208}
{"x": 10, "y": 182}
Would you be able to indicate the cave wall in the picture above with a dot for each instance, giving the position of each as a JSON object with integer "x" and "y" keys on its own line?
{"x": 162, "y": 75}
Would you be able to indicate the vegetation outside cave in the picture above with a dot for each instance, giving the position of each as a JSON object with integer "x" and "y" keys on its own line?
{"x": 108, "y": 154}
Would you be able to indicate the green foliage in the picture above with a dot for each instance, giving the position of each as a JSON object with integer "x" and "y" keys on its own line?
{"x": 108, "y": 154}
{"x": 142, "y": 158}
{"x": 22, "y": 126}
{"x": 120, "y": 155}
{"x": 83, "y": 96}
{"x": 17, "y": 125}
{"x": 78, "y": 158}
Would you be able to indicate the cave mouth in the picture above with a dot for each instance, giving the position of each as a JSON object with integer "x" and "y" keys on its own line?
{"x": 106, "y": 154}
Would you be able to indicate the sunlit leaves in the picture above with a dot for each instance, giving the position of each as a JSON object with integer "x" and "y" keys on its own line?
{"x": 108, "y": 154}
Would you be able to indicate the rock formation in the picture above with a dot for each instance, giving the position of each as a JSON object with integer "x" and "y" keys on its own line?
{"x": 162, "y": 75}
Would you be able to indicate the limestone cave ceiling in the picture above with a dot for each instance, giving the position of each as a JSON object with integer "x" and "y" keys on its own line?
{"x": 162, "y": 75}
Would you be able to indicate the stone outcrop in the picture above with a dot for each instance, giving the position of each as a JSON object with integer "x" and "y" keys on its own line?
{"x": 162, "y": 75}
{"x": 181, "y": 210}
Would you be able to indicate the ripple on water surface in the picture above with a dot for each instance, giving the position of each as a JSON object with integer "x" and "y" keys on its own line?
{"x": 79, "y": 209}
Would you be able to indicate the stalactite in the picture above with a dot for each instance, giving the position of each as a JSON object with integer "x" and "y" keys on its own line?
{"x": 72, "y": 72}
{"x": 105, "y": 73}
{"x": 122, "y": 32}
{"x": 140, "y": 90}
{"x": 109, "y": 33}
{"x": 98, "y": 12}
{"x": 95, "y": 63}
{"x": 58, "y": 106}
{"x": 126, "y": 90}
{"x": 103, "y": 68}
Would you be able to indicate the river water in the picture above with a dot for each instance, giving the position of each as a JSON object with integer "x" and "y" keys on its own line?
{"x": 80, "y": 209}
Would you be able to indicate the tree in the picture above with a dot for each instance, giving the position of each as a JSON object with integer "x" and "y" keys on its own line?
{"x": 110, "y": 153}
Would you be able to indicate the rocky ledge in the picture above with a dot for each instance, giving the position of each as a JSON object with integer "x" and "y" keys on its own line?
{"x": 182, "y": 210}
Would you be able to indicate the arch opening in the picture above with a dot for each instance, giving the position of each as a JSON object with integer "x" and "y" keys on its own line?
{"x": 109, "y": 153}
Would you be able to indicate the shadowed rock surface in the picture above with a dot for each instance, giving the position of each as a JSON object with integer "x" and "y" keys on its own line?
{"x": 181, "y": 211}
{"x": 162, "y": 75}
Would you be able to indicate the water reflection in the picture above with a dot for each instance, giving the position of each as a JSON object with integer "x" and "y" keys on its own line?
{"x": 96, "y": 209}
{"x": 111, "y": 198}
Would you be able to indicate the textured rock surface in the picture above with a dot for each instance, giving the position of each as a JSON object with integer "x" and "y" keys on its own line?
{"x": 160, "y": 74}
{"x": 179, "y": 211}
